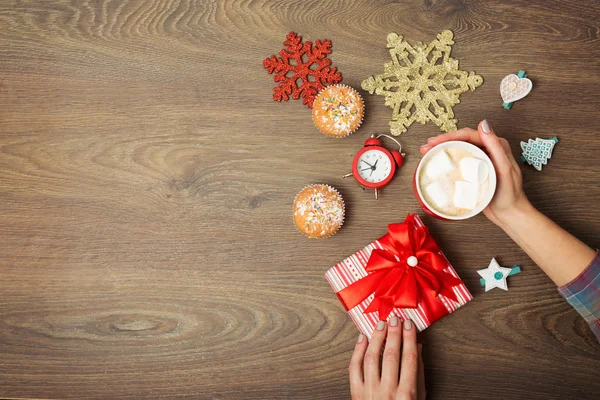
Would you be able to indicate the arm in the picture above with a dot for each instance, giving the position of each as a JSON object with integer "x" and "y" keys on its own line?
{"x": 558, "y": 253}
{"x": 571, "y": 264}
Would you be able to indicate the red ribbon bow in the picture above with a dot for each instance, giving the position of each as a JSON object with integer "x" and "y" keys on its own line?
{"x": 395, "y": 283}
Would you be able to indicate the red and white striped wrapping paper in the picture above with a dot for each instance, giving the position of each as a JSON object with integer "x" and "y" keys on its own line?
{"x": 352, "y": 269}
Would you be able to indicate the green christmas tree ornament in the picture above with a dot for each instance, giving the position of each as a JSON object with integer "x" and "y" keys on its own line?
{"x": 537, "y": 152}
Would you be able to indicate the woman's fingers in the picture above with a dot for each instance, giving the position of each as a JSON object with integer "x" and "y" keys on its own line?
{"x": 505, "y": 146}
{"x": 373, "y": 354}
{"x": 421, "y": 389}
{"x": 508, "y": 151}
{"x": 494, "y": 147}
{"x": 498, "y": 148}
{"x": 465, "y": 135}
{"x": 410, "y": 362}
{"x": 391, "y": 355}
{"x": 356, "y": 366}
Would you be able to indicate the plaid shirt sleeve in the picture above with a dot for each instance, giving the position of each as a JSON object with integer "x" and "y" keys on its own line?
{"x": 583, "y": 293}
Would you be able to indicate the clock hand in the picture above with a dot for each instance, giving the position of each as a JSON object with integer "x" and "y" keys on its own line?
{"x": 366, "y": 169}
{"x": 367, "y": 163}
{"x": 375, "y": 165}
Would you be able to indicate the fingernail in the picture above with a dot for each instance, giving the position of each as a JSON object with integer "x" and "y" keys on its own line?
{"x": 430, "y": 139}
{"x": 360, "y": 338}
{"x": 424, "y": 145}
{"x": 393, "y": 320}
{"x": 485, "y": 126}
{"x": 380, "y": 325}
{"x": 407, "y": 324}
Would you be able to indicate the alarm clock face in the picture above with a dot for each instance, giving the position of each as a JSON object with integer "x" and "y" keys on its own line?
{"x": 374, "y": 166}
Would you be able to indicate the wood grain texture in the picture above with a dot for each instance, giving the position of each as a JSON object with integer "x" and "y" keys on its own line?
{"x": 147, "y": 248}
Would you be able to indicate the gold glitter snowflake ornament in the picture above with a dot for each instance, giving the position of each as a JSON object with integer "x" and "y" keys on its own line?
{"x": 421, "y": 83}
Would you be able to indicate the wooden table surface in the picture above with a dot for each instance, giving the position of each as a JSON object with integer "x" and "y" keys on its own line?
{"x": 147, "y": 248}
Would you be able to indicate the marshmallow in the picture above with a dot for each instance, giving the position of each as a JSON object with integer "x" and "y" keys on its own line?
{"x": 438, "y": 194}
{"x": 466, "y": 195}
{"x": 473, "y": 170}
{"x": 440, "y": 164}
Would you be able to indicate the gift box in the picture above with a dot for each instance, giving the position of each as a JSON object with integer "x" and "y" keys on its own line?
{"x": 403, "y": 273}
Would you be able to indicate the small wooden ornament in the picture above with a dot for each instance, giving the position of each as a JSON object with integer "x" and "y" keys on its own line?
{"x": 537, "y": 152}
{"x": 514, "y": 87}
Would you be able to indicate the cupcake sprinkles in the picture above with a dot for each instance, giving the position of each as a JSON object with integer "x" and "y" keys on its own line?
{"x": 338, "y": 110}
{"x": 318, "y": 211}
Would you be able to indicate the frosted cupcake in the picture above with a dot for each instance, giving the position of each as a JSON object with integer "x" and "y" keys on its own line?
{"x": 319, "y": 211}
{"x": 338, "y": 110}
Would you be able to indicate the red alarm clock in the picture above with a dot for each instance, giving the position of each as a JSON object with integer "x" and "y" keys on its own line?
{"x": 374, "y": 166}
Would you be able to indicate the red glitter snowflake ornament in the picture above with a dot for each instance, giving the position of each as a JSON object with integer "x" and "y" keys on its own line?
{"x": 288, "y": 75}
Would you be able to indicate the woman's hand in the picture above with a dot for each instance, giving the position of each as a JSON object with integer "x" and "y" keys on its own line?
{"x": 400, "y": 380}
{"x": 509, "y": 195}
